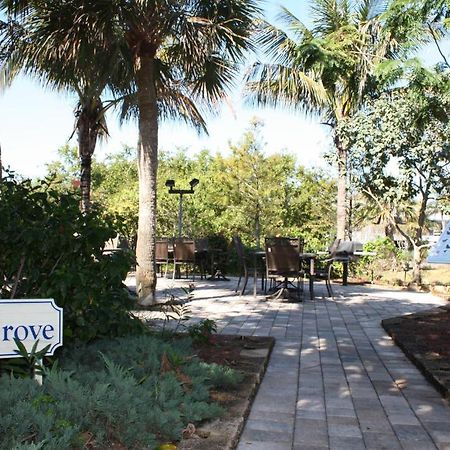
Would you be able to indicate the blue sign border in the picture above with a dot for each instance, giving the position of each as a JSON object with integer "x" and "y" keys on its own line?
{"x": 51, "y": 301}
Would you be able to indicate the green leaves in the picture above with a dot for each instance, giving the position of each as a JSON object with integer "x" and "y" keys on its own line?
{"x": 30, "y": 363}
{"x": 51, "y": 250}
{"x": 399, "y": 146}
{"x": 83, "y": 400}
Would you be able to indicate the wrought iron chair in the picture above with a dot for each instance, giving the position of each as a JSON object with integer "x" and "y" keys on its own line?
{"x": 202, "y": 255}
{"x": 246, "y": 266}
{"x": 322, "y": 271}
{"x": 324, "y": 266}
{"x": 283, "y": 265}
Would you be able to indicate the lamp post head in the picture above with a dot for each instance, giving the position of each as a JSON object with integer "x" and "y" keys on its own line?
{"x": 170, "y": 184}
{"x": 193, "y": 182}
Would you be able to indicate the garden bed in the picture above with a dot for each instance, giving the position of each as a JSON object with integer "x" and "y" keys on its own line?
{"x": 137, "y": 392}
{"x": 425, "y": 339}
{"x": 248, "y": 355}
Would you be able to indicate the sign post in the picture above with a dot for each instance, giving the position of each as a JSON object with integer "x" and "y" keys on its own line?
{"x": 29, "y": 321}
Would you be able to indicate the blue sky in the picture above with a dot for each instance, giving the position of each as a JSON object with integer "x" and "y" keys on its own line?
{"x": 35, "y": 122}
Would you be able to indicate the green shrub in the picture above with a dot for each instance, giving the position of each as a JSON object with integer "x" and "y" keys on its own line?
{"x": 387, "y": 257}
{"x": 202, "y": 331}
{"x": 49, "y": 249}
{"x": 124, "y": 391}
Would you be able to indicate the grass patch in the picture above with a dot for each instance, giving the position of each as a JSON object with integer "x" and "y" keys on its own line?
{"x": 134, "y": 392}
{"x": 432, "y": 275}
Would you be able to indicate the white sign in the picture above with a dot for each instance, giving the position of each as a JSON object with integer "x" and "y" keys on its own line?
{"x": 28, "y": 321}
{"x": 440, "y": 253}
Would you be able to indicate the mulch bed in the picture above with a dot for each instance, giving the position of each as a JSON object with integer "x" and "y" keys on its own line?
{"x": 425, "y": 339}
{"x": 249, "y": 355}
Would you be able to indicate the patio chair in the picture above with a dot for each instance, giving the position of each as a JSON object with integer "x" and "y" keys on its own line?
{"x": 246, "y": 266}
{"x": 184, "y": 254}
{"x": 283, "y": 264}
{"x": 162, "y": 254}
{"x": 322, "y": 271}
{"x": 202, "y": 255}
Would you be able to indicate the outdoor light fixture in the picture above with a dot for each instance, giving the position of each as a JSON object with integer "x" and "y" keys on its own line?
{"x": 193, "y": 182}
{"x": 171, "y": 185}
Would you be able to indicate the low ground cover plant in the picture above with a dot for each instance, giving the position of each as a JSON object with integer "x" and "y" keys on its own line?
{"x": 133, "y": 392}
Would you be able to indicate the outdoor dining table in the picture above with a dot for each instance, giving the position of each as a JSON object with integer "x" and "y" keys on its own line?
{"x": 309, "y": 258}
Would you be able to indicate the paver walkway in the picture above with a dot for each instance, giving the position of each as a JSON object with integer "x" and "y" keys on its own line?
{"x": 335, "y": 379}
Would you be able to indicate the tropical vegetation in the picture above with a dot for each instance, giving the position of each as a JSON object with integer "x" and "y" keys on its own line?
{"x": 325, "y": 70}
{"x": 400, "y": 151}
{"x": 132, "y": 392}
{"x": 164, "y": 58}
{"x": 52, "y": 250}
{"x": 246, "y": 191}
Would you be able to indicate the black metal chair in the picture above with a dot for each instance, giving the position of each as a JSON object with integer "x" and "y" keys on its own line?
{"x": 202, "y": 255}
{"x": 322, "y": 271}
{"x": 246, "y": 266}
{"x": 283, "y": 265}
{"x": 323, "y": 267}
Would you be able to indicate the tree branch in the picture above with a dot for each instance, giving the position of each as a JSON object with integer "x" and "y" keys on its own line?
{"x": 18, "y": 276}
{"x": 437, "y": 44}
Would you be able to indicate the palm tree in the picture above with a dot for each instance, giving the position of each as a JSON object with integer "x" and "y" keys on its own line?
{"x": 326, "y": 70}
{"x": 153, "y": 46}
{"x": 26, "y": 45}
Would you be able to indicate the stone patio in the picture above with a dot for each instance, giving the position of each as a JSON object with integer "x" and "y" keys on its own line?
{"x": 335, "y": 379}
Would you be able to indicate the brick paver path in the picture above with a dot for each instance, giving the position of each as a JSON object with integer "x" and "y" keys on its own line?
{"x": 335, "y": 379}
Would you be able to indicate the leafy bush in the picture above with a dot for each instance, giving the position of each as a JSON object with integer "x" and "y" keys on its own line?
{"x": 49, "y": 249}
{"x": 132, "y": 391}
{"x": 387, "y": 257}
{"x": 202, "y": 331}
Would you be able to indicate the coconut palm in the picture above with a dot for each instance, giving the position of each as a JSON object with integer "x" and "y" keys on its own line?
{"x": 326, "y": 70}
{"x": 152, "y": 47}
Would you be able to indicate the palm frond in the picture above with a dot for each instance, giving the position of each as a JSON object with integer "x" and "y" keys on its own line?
{"x": 275, "y": 85}
{"x": 329, "y": 15}
{"x": 293, "y": 24}
{"x": 275, "y": 43}
{"x": 367, "y": 10}
{"x": 179, "y": 106}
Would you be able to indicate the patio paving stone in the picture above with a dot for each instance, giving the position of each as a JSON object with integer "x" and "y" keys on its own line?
{"x": 335, "y": 379}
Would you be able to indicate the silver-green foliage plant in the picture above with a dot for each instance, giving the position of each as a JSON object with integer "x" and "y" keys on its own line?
{"x": 135, "y": 392}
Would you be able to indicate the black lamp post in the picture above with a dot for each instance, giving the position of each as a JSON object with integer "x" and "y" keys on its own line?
{"x": 171, "y": 185}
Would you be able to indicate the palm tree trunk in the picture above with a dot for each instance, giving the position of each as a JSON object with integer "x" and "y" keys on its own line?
{"x": 341, "y": 215}
{"x": 85, "y": 182}
{"x": 147, "y": 170}
{"x": 84, "y": 149}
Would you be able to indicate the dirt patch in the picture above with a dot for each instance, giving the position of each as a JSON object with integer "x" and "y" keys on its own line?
{"x": 425, "y": 339}
{"x": 249, "y": 355}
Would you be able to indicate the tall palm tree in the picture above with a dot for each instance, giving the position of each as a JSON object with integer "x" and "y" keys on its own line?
{"x": 26, "y": 45}
{"x": 198, "y": 41}
{"x": 326, "y": 70}
{"x": 153, "y": 46}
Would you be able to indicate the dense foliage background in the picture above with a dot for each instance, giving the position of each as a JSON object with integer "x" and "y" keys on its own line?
{"x": 246, "y": 191}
